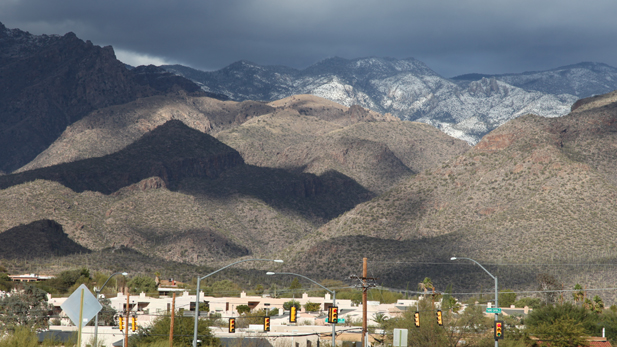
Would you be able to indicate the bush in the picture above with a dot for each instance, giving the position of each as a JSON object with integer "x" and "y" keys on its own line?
{"x": 157, "y": 334}
{"x": 243, "y": 309}
{"x": 287, "y": 305}
{"x": 312, "y": 306}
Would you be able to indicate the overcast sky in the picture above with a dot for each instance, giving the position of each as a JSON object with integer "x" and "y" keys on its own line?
{"x": 451, "y": 36}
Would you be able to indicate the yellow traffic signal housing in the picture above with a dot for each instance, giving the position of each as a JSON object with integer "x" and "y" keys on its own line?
{"x": 133, "y": 323}
{"x": 232, "y": 325}
{"x": 121, "y": 323}
{"x": 293, "y": 314}
{"x": 439, "y": 318}
{"x": 333, "y": 314}
{"x": 416, "y": 319}
{"x": 267, "y": 324}
{"x": 499, "y": 330}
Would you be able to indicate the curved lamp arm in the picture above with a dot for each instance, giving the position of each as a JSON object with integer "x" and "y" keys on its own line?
{"x": 480, "y": 265}
{"x": 208, "y": 275}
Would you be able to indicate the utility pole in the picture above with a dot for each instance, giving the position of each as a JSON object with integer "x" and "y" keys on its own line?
{"x": 171, "y": 326}
{"x": 366, "y": 283}
{"x": 126, "y": 328}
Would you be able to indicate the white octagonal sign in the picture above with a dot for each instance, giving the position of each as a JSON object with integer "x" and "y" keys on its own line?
{"x": 72, "y": 306}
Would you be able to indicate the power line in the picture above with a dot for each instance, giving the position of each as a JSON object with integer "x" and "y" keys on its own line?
{"x": 493, "y": 264}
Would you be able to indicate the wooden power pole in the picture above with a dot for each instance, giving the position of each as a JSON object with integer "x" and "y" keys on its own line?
{"x": 171, "y": 325}
{"x": 364, "y": 297}
{"x": 365, "y": 282}
{"x": 126, "y": 325}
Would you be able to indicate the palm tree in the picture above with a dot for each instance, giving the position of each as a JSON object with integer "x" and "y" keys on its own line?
{"x": 598, "y": 304}
{"x": 426, "y": 285}
{"x": 579, "y": 296}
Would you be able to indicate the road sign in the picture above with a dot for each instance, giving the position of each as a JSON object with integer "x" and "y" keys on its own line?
{"x": 493, "y": 310}
{"x": 400, "y": 338}
{"x": 72, "y": 305}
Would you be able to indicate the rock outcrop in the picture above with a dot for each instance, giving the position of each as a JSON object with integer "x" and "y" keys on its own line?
{"x": 48, "y": 82}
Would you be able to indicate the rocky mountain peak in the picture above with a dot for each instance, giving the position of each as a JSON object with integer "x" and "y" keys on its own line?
{"x": 48, "y": 82}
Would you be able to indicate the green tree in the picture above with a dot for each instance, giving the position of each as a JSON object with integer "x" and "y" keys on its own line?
{"x": 243, "y": 309}
{"x": 225, "y": 288}
{"x": 507, "y": 297}
{"x": 312, "y": 306}
{"x": 6, "y": 284}
{"x": 287, "y": 305}
{"x": 533, "y": 303}
{"x": 273, "y": 312}
{"x": 561, "y": 332}
{"x": 608, "y": 320}
{"x": 183, "y": 332}
{"x": 27, "y": 308}
{"x": 295, "y": 284}
{"x": 550, "y": 314}
{"x": 66, "y": 280}
{"x": 145, "y": 284}
{"x": 259, "y": 289}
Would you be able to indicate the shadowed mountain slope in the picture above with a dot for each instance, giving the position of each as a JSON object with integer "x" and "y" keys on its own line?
{"x": 39, "y": 239}
{"x": 48, "y": 82}
{"x": 172, "y": 152}
{"x": 110, "y": 129}
{"x": 179, "y": 194}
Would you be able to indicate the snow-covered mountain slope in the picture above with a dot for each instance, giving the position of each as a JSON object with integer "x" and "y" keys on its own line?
{"x": 466, "y": 107}
{"x": 583, "y": 79}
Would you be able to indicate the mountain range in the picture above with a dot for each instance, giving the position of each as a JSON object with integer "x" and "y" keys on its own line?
{"x": 173, "y": 176}
{"x": 466, "y": 107}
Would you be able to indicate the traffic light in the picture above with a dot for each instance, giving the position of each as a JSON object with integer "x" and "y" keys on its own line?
{"x": 333, "y": 314}
{"x": 293, "y": 314}
{"x": 266, "y": 323}
{"x": 133, "y": 323}
{"x": 121, "y": 323}
{"x": 416, "y": 319}
{"x": 439, "y": 318}
{"x": 232, "y": 325}
{"x": 498, "y": 330}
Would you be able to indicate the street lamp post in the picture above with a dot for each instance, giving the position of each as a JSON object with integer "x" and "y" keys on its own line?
{"x": 208, "y": 275}
{"x": 496, "y": 292}
{"x": 98, "y": 292}
{"x": 331, "y": 291}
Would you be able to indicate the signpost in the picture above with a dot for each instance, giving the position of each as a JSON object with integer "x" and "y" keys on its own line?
{"x": 81, "y": 307}
{"x": 495, "y": 310}
{"x": 399, "y": 338}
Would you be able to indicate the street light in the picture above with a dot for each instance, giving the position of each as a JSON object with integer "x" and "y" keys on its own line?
{"x": 331, "y": 291}
{"x": 208, "y": 275}
{"x": 98, "y": 292}
{"x": 496, "y": 293}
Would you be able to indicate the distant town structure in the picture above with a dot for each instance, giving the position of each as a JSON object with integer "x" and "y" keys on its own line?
{"x": 29, "y": 278}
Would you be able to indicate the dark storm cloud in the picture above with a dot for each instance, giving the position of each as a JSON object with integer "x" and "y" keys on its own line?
{"x": 452, "y": 37}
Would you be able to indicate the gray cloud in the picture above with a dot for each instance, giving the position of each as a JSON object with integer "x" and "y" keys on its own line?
{"x": 450, "y": 36}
